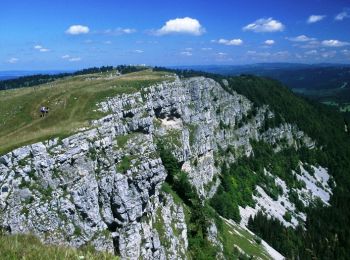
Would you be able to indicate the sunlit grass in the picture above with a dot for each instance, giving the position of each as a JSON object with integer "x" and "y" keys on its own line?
{"x": 234, "y": 236}
{"x": 16, "y": 247}
{"x": 72, "y": 102}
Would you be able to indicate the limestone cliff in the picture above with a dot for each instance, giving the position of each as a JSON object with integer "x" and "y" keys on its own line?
{"x": 102, "y": 185}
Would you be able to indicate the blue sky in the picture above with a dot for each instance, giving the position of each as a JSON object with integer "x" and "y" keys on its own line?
{"x": 44, "y": 35}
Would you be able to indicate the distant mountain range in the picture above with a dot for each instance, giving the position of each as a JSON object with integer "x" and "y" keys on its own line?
{"x": 260, "y": 68}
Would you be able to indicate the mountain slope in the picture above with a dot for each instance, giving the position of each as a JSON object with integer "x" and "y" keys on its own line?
{"x": 151, "y": 176}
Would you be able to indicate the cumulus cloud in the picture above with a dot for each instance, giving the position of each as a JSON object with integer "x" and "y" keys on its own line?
{"x": 341, "y": 16}
{"x": 334, "y": 43}
{"x": 301, "y": 38}
{"x": 138, "y": 51}
{"x": 38, "y": 47}
{"x": 65, "y": 56}
{"x": 44, "y": 50}
{"x": 77, "y": 29}
{"x": 184, "y": 25}
{"x": 265, "y": 25}
{"x": 206, "y": 49}
{"x": 13, "y": 60}
{"x": 233, "y": 42}
{"x": 269, "y": 42}
{"x": 315, "y": 18}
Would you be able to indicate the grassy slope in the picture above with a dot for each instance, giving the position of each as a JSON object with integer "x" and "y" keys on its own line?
{"x": 233, "y": 236}
{"x": 29, "y": 247}
{"x": 71, "y": 100}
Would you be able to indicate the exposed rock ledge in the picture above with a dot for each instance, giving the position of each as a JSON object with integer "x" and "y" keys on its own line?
{"x": 100, "y": 188}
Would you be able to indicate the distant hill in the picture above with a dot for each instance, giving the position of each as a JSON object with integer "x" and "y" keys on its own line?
{"x": 12, "y": 74}
{"x": 294, "y": 75}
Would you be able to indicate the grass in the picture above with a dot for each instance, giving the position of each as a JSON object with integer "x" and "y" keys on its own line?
{"x": 124, "y": 164}
{"x": 233, "y": 235}
{"x": 13, "y": 247}
{"x": 71, "y": 100}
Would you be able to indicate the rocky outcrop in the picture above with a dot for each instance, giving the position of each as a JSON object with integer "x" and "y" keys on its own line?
{"x": 102, "y": 185}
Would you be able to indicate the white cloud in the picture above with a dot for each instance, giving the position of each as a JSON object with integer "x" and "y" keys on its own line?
{"x": 329, "y": 54}
{"x": 69, "y": 58}
{"x": 13, "y": 60}
{"x": 341, "y": 16}
{"x": 206, "y": 49}
{"x": 269, "y": 42}
{"x": 184, "y": 25}
{"x": 334, "y": 43}
{"x": 259, "y": 54}
{"x": 74, "y": 59}
{"x": 311, "y": 52}
{"x": 301, "y": 38}
{"x": 118, "y": 31}
{"x": 107, "y": 42}
{"x": 315, "y": 18}
{"x": 233, "y": 42}
{"x": 41, "y": 48}
{"x": 77, "y": 29}
{"x": 138, "y": 51}
{"x": 186, "y": 53}
{"x": 222, "y": 54}
{"x": 265, "y": 25}
{"x": 346, "y": 52}
{"x": 127, "y": 30}
{"x": 264, "y": 55}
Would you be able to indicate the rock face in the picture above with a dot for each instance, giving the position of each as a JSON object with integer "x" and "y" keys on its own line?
{"x": 102, "y": 186}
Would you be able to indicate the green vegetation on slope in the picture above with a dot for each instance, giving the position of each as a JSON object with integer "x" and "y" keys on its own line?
{"x": 234, "y": 238}
{"x": 238, "y": 181}
{"x": 13, "y": 247}
{"x": 177, "y": 180}
{"x": 327, "y": 233}
{"x": 199, "y": 215}
{"x": 72, "y": 103}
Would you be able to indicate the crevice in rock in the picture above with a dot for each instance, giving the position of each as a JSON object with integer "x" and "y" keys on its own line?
{"x": 116, "y": 245}
{"x": 158, "y": 113}
{"x": 174, "y": 113}
{"x": 128, "y": 114}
